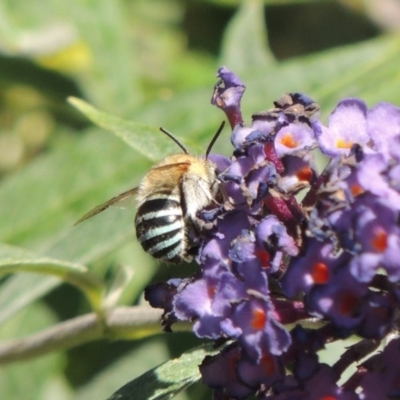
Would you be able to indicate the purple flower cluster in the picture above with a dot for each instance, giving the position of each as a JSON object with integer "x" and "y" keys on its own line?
{"x": 293, "y": 258}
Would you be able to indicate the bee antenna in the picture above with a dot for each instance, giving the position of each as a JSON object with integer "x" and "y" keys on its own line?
{"x": 214, "y": 139}
{"x": 171, "y": 136}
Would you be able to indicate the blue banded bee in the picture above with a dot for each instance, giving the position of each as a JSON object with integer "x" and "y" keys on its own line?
{"x": 169, "y": 197}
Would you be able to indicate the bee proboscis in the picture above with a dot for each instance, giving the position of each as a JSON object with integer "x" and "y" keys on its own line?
{"x": 169, "y": 197}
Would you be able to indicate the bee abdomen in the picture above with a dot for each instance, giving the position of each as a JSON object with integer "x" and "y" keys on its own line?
{"x": 160, "y": 227}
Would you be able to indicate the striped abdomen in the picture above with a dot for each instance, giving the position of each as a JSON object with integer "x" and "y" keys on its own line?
{"x": 160, "y": 227}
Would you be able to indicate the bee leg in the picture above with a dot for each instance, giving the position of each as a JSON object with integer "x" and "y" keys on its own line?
{"x": 193, "y": 250}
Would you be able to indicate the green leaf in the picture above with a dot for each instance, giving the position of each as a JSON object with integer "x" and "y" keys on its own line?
{"x": 267, "y": 2}
{"x": 144, "y": 139}
{"x": 30, "y": 379}
{"x": 365, "y": 69}
{"x": 150, "y": 352}
{"x": 245, "y": 40}
{"x": 103, "y": 25}
{"x": 14, "y": 260}
{"x": 41, "y": 203}
{"x": 21, "y": 71}
{"x": 166, "y": 380}
{"x": 21, "y": 290}
{"x": 91, "y": 40}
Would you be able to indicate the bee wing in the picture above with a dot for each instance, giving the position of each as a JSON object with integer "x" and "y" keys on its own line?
{"x": 121, "y": 197}
{"x": 168, "y": 171}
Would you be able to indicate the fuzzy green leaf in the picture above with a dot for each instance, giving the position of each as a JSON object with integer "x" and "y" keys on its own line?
{"x": 144, "y": 139}
{"x": 245, "y": 39}
{"x": 14, "y": 260}
{"x": 166, "y": 380}
{"x": 41, "y": 203}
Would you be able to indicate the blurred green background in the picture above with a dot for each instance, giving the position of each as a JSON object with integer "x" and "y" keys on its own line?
{"x": 152, "y": 62}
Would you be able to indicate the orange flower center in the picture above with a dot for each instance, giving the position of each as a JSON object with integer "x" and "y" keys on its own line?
{"x": 264, "y": 257}
{"x": 342, "y": 144}
{"x": 379, "y": 241}
{"x": 211, "y": 291}
{"x": 320, "y": 273}
{"x": 356, "y": 190}
{"x": 304, "y": 174}
{"x": 288, "y": 141}
{"x": 259, "y": 319}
